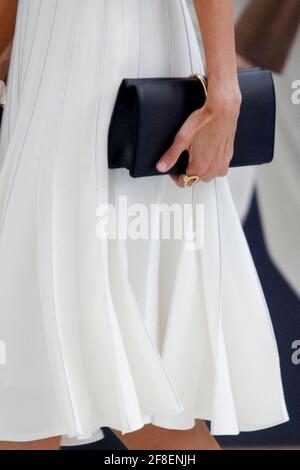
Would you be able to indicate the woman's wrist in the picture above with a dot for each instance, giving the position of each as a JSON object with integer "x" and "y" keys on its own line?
{"x": 224, "y": 96}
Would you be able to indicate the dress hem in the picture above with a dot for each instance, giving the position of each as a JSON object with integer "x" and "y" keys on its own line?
{"x": 96, "y": 435}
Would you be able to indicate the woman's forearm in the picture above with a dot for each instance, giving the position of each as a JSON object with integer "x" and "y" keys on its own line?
{"x": 216, "y": 21}
{"x": 8, "y": 11}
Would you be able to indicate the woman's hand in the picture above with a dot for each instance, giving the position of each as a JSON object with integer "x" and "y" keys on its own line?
{"x": 208, "y": 134}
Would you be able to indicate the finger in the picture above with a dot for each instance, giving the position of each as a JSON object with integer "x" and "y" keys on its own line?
{"x": 207, "y": 178}
{"x": 178, "y": 180}
{"x": 216, "y": 170}
{"x": 170, "y": 157}
{"x": 193, "y": 169}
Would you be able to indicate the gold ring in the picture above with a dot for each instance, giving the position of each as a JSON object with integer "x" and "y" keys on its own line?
{"x": 187, "y": 179}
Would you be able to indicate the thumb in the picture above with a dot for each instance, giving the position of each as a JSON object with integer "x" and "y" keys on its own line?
{"x": 170, "y": 157}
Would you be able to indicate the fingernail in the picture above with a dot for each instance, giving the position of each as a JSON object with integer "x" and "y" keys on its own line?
{"x": 161, "y": 166}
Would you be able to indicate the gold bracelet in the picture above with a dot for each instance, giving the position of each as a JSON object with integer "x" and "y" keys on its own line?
{"x": 202, "y": 80}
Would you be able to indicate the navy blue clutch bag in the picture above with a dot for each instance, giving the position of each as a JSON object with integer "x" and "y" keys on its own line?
{"x": 148, "y": 112}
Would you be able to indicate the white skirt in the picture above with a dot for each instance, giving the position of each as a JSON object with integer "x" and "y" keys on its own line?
{"x": 101, "y": 332}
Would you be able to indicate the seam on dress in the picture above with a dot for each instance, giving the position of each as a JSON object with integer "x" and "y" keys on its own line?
{"x": 75, "y": 22}
{"x": 21, "y": 40}
{"x": 140, "y": 38}
{"x": 170, "y": 316}
{"x": 216, "y": 356}
{"x": 187, "y": 37}
{"x": 23, "y": 47}
{"x": 100, "y": 81}
{"x": 31, "y": 49}
{"x": 150, "y": 249}
{"x": 169, "y": 39}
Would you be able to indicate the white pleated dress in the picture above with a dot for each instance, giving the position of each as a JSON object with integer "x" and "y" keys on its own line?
{"x": 118, "y": 333}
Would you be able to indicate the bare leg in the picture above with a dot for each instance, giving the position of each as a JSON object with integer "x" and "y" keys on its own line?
{"x": 52, "y": 443}
{"x": 152, "y": 437}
